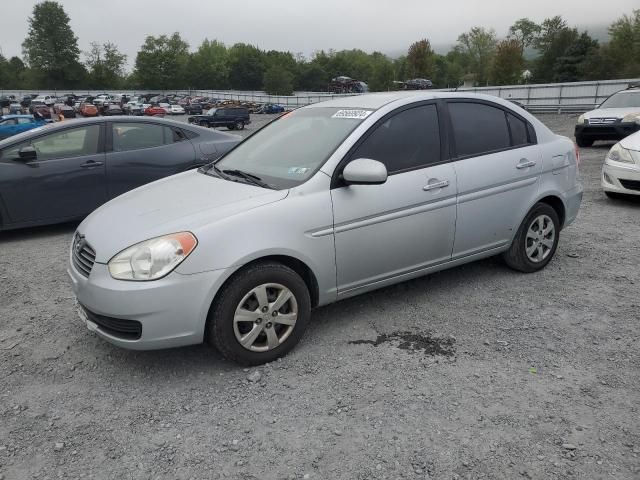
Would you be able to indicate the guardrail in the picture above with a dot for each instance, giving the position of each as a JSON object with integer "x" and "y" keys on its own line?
{"x": 552, "y": 97}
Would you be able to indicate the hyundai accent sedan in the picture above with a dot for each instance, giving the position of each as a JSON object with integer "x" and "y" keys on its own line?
{"x": 327, "y": 202}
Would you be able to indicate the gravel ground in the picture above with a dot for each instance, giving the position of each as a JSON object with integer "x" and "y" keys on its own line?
{"x": 475, "y": 372}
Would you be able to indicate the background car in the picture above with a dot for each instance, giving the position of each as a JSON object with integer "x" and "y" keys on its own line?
{"x": 234, "y": 118}
{"x": 111, "y": 110}
{"x": 193, "y": 108}
{"x": 65, "y": 110}
{"x": 617, "y": 117}
{"x": 621, "y": 169}
{"x": 270, "y": 108}
{"x": 154, "y": 111}
{"x": 14, "y": 124}
{"x": 66, "y": 170}
{"x": 134, "y": 107}
{"x": 88, "y": 110}
{"x": 176, "y": 109}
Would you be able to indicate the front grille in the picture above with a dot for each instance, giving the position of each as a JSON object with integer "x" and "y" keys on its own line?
{"x": 116, "y": 327}
{"x": 83, "y": 256}
{"x": 603, "y": 121}
{"x": 630, "y": 184}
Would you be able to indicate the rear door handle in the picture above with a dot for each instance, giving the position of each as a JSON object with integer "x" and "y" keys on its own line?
{"x": 434, "y": 184}
{"x": 90, "y": 164}
{"x": 524, "y": 163}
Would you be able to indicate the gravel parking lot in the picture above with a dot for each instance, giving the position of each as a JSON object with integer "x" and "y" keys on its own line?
{"x": 475, "y": 372}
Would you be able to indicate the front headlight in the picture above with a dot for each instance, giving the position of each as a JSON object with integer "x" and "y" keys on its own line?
{"x": 619, "y": 154}
{"x": 581, "y": 118}
{"x": 632, "y": 117}
{"x": 152, "y": 259}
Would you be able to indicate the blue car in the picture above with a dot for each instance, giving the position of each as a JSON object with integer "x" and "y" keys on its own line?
{"x": 13, "y": 124}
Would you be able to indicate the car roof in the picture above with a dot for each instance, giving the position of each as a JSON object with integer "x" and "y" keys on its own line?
{"x": 375, "y": 101}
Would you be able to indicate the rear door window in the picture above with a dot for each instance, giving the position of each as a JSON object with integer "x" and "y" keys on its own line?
{"x": 478, "y": 128}
{"x": 519, "y": 133}
{"x": 135, "y": 136}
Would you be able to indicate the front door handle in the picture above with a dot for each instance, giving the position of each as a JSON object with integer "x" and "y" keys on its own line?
{"x": 91, "y": 164}
{"x": 524, "y": 163}
{"x": 434, "y": 184}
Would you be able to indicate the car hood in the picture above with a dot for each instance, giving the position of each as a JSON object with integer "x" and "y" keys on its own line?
{"x": 632, "y": 142}
{"x": 611, "y": 112}
{"x": 183, "y": 202}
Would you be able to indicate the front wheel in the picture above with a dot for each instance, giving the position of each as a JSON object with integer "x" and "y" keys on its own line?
{"x": 260, "y": 314}
{"x": 536, "y": 241}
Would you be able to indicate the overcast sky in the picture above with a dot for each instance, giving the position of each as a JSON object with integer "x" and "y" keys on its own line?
{"x": 299, "y": 25}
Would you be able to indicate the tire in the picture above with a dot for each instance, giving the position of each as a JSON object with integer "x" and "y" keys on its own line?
{"x": 239, "y": 125}
{"x": 224, "y": 330}
{"x": 528, "y": 239}
{"x": 583, "y": 142}
{"x": 231, "y": 126}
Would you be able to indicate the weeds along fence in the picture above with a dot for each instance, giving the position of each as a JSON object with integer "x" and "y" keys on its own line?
{"x": 551, "y": 97}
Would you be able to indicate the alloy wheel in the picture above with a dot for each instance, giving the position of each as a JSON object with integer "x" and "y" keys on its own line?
{"x": 265, "y": 317}
{"x": 540, "y": 238}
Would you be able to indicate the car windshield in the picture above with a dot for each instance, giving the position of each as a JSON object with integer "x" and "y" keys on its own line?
{"x": 622, "y": 100}
{"x": 290, "y": 150}
{"x": 211, "y": 111}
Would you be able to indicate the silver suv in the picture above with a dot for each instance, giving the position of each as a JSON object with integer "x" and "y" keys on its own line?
{"x": 329, "y": 201}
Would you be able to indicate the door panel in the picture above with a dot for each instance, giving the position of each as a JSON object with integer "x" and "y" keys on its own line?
{"x": 494, "y": 193}
{"x": 66, "y": 180}
{"x": 143, "y": 153}
{"x": 382, "y": 231}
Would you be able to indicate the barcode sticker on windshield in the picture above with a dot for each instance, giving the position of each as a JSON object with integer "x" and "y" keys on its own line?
{"x": 352, "y": 114}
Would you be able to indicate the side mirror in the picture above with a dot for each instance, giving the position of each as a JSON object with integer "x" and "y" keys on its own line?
{"x": 364, "y": 171}
{"x": 28, "y": 153}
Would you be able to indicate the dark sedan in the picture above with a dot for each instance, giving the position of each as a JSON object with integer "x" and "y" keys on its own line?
{"x": 64, "y": 171}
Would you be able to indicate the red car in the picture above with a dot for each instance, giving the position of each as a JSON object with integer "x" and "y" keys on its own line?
{"x": 153, "y": 111}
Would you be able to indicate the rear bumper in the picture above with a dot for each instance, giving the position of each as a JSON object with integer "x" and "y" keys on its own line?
{"x": 621, "y": 179}
{"x": 572, "y": 201}
{"x": 614, "y": 131}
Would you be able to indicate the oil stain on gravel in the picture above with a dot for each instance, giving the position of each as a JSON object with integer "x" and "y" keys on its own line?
{"x": 414, "y": 342}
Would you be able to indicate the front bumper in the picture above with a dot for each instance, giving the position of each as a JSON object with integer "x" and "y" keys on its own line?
{"x": 171, "y": 311}
{"x": 613, "y": 131}
{"x": 621, "y": 178}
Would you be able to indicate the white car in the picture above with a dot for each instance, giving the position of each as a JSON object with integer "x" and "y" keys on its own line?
{"x": 45, "y": 99}
{"x": 176, "y": 110}
{"x": 617, "y": 117}
{"x": 100, "y": 100}
{"x": 621, "y": 170}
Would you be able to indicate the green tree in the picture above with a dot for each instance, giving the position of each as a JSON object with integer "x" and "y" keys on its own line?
{"x": 570, "y": 66}
{"x": 421, "y": 59}
{"x": 105, "y": 65}
{"x": 508, "y": 63}
{"x": 624, "y": 46}
{"x": 161, "y": 62}
{"x": 381, "y": 78}
{"x": 246, "y": 67}
{"x": 478, "y": 44}
{"x": 524, "y": 32}
{"x": 51, "y": 47}
{"x": 208, "y": 66}
{"x": 278, "y": 81}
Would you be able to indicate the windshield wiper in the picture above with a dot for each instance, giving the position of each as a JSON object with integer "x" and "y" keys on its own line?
{"x": 247, "y": 176}
{"x": 206, "y": 168}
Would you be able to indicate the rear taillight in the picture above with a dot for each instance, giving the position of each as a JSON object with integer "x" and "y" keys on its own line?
{"x": 577, "y": 154}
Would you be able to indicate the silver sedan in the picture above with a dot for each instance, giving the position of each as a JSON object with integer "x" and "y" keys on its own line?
{"x": 327, "y": 202}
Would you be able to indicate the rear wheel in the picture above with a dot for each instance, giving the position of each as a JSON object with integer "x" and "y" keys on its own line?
{"x": 239, "y": 126}
{"x": 536, "y": 241}
{"x": 260, "y": 314}
{"x": 584, "y": 142}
